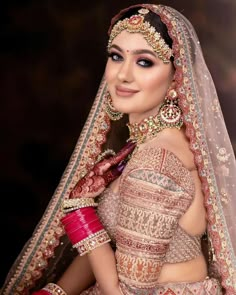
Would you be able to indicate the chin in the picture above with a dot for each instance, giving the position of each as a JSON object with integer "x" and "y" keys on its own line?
{"x": 126, "y": 110}
{"x": 123, "y": 108}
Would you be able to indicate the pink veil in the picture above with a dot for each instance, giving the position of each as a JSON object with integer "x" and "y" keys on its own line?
{"x": 48, "y": 251}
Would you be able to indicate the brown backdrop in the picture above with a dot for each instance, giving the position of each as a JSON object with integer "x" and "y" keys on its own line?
{"x": 52, "y": 56}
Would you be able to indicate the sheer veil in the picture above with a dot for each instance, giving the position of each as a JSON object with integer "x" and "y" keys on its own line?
{"x": 48, "y": 252}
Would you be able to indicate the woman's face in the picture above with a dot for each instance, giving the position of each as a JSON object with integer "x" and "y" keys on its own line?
{"x": 137, "y": 79}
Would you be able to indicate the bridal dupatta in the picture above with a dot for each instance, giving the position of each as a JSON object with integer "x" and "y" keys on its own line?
{"x": 42, "y": 257}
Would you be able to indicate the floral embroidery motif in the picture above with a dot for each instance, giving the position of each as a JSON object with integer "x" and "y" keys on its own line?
{"x": 224, "y": 196}
{"x": 222, "y": 155}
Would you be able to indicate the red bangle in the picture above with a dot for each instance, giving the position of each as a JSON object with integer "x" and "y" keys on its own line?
{"x": 82, "y": 214}
{"x": 41, "y": 292}
{"x": 50, "y": 289}
{"x": 80, "y": 235}
{"x": 83, "y": 232}
{"x": 83, "y": 227}
{"x": 78, "y": 223}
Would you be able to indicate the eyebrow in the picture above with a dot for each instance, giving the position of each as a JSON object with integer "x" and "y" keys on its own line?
{"x": 136, "y": 51}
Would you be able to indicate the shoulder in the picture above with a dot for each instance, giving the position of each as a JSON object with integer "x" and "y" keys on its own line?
{"x": 175, "y": 145}
{"x": 165, "y": 159}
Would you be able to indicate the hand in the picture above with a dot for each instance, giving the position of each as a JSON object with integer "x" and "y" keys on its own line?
{"x": 105, "y": 171}
{"x": 91, "y": 185}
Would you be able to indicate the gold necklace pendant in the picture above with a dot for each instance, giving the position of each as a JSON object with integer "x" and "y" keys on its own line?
{"x": 148, "y": 128}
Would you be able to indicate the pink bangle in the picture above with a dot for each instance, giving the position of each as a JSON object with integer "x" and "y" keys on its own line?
{"x": 79, "y": 235}
{"x": 84, "y": 229}
{"x": 83, "y": 232}
{"x": 78, "y": 223}
{"x": 91, "y": 227}
{"x": 41, "y": 292}
{"x": 79, "y": 214}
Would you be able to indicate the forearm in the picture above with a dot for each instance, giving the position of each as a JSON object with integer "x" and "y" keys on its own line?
{"x": 99, "y": 265}
{"x": 88, "y": 236}
{"x": 78, "y": 276}
{"x": 103, "y": 264}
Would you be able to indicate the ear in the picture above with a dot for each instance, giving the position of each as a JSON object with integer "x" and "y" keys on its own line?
{"x": 172, "y": 84}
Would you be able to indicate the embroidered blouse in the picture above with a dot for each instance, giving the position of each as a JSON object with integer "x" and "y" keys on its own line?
{"x": 156, "y": 189}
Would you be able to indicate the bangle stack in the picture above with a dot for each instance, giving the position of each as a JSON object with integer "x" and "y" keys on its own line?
{"x": 50, "y": 289}
{"x": 70, "y": 205}
{"x": 85, "y": 230}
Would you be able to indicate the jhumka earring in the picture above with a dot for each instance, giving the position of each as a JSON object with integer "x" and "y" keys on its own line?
{"x": 112, "y": 113}
{"x": 170, "y": 114}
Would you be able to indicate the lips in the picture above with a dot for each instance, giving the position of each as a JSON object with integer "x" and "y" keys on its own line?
{"x": 123, "y": 91}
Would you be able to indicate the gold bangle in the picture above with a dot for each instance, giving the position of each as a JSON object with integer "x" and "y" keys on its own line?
{"x": 92, "y": 242}
{"x": 54, "y": 289}
{"x": 77, "y": 203}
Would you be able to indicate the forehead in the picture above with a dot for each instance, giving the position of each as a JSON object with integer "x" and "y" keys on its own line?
{"x": 131, "y": 41}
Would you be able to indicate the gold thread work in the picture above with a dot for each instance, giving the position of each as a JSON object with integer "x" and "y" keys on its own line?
{"x": 137, "y": 24}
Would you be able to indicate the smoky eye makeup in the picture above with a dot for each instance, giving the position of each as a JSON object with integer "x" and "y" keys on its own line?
{"x": 145, "y": 62}
{"x": 115, "y": 56}
{"x": 143, "y": 57}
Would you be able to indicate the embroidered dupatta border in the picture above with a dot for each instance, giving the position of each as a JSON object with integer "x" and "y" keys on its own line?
{"x": 34, "y": 257}
{"x": 189, "y": 102}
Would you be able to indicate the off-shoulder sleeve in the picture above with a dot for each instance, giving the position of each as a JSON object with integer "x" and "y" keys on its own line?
{"x": 156, "y": 190}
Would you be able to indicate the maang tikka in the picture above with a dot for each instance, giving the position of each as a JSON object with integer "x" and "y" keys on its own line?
{"x": 112, "y": 113}
{"x": 170, "y": 114}
{"x": 137, "y": 24}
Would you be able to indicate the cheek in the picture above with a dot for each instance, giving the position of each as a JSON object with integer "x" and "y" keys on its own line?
{"x": 157, "y": 81}
{"x": 153, "y": 82}
{"x": 109, "y": 73}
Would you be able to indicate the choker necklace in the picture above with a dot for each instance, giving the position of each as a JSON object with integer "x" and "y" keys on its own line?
{"x": 148, "y": 128}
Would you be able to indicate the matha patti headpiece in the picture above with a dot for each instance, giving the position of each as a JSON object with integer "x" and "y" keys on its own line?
{"x": 136, "y": 24}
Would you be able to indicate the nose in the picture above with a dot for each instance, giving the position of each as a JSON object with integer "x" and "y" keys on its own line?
{"x": 125, "y": 73}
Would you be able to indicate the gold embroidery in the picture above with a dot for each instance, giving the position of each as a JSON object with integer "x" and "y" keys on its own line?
{"x": 183, "y": 247}
{"x": 156, "y": 190}
{"x": 133, "y": 269}
{"x": 224, "y": 196}
{"x": 107, "y": 211}
{"x": 222, "y": 155}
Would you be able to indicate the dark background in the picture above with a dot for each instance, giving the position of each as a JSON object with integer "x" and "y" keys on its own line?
{"x": 52, "y": 57}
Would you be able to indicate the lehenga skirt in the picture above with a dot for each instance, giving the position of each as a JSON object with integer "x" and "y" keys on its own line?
{"x": 209, "y": 286}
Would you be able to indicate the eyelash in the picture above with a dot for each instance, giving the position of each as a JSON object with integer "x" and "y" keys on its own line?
{"x": 112, "y": 56}
{"x": 143, "y": 62}
{"x": 146, "y": 63}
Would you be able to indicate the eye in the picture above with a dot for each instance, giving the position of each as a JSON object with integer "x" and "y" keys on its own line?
{"x": 115, "y": 56}
{"x": 146, "y": 63}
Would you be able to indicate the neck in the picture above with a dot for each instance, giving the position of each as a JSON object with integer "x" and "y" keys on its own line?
{"x": 136, "y": 118}
{"x": 148, "y": 128}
